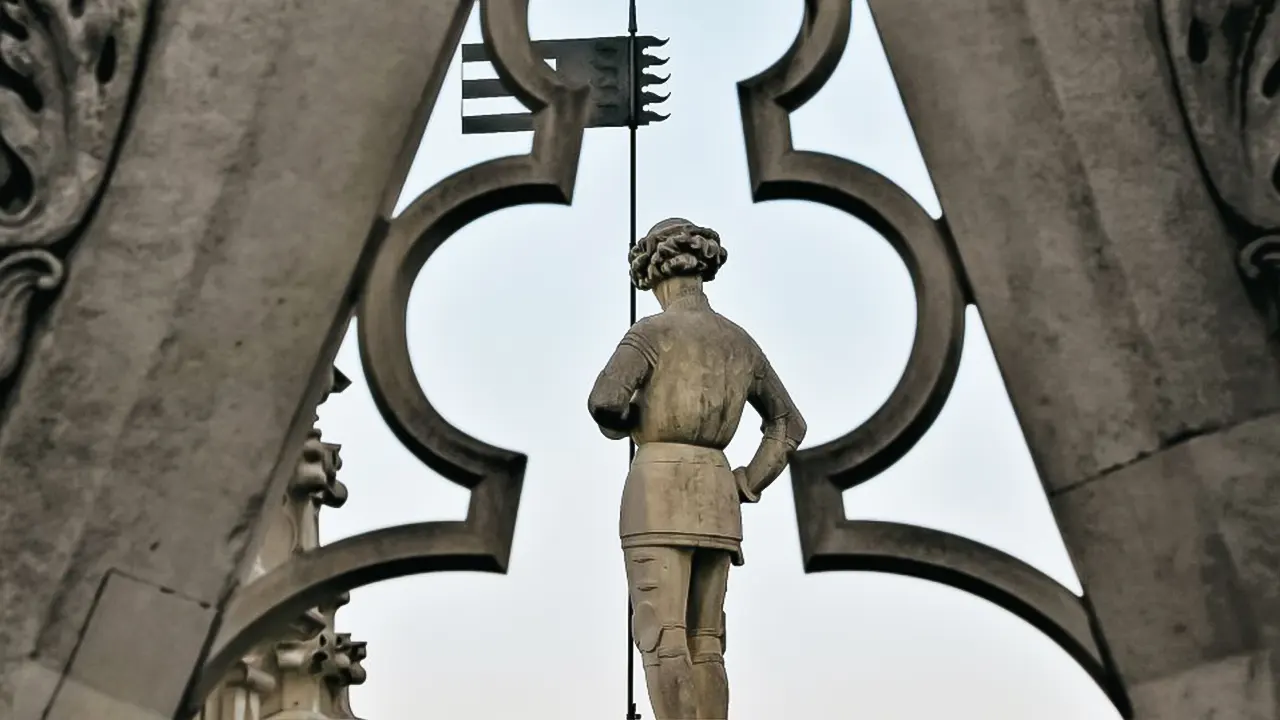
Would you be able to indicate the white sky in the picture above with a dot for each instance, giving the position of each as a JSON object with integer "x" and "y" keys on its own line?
{"x": 512, "y": 319}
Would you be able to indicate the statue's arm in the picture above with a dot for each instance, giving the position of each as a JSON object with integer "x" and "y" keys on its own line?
{"x": 783, "y": 427}
{"x": 612, "y": 400}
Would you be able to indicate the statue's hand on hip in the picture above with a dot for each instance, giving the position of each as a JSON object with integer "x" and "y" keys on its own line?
{"x": 745, "y": 494}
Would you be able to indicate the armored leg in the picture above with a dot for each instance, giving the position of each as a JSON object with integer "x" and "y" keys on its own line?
{"x": 709, "y": 576}
{"x": 659, "y": 580}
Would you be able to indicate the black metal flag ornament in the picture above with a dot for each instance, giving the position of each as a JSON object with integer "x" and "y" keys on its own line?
{"x": 604, "y": 64}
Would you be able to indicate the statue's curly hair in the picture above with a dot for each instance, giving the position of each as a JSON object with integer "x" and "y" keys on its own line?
{"x": 676, "y": 247}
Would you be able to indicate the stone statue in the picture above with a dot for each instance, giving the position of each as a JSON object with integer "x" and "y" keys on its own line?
{"x": 677, "y": 384}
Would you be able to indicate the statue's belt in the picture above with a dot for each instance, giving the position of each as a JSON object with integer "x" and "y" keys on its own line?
{"x": 658, "y": 452}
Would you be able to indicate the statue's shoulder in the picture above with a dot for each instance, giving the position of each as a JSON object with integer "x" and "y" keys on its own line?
{"x": 653, "y": 325}
{"x": 740, "y": 334}
{"x": 644, "y": 336}
{"x": 676, "y": 326}
{"x": 646, "y": 325}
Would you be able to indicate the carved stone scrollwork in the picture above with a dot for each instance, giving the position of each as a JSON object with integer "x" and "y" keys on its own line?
{"x": 22, "y": 275}
{"x": 494, "y": 475}
{"x": 829, "y": 540}
{"x": 1225, "y": 56}
{"x": 66, "y": 70}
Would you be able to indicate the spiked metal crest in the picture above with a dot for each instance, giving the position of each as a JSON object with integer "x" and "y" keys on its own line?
{"x": 604, "y": 64}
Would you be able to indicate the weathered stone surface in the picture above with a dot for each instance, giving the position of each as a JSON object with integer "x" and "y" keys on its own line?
{"x": 1107, "y": 281}
{"x": 1180, "y": 551}
{"x": 128, "y": 613}
{"x": 1247, "y": 680}
{"x": 1094, "y": 250}
{"x": 174, "y": 380}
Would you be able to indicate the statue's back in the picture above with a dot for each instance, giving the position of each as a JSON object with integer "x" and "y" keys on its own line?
{"x": 703, "y": 369}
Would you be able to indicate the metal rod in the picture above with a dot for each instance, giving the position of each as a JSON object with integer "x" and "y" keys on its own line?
{"x": 633, "y": 117}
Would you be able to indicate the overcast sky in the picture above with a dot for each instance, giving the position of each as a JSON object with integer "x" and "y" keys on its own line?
{"x": 513, "y": 318}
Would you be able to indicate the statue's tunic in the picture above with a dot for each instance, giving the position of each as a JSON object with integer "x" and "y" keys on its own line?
{"x": 681, "y": 495}
{"x": 688, "y": 372}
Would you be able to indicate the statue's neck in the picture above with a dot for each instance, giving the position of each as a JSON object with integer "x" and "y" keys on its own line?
{"x": 681, "y": 293}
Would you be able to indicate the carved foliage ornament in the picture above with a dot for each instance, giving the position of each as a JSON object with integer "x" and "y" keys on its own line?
{"x": 828, "y": 539}
{"x": 308, "y": 663}
{"x": 66, "y": 69}
{"x": 494, "y": 475}
{"x": 1225, "y": 56}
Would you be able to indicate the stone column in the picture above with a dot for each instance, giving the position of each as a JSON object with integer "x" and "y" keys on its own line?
{"x": 1143, "y": 375}
{"x": 174, "y": 283}
{"x": 305, "y": 672}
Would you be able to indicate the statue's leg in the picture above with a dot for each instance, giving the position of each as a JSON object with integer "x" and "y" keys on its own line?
{"x": 659, "y": 580}
{"x": 708, "y": 580}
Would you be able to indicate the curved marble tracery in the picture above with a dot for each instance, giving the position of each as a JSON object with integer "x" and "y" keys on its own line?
{"x": 828, "y": 539}
{"x": 494, "y": 475}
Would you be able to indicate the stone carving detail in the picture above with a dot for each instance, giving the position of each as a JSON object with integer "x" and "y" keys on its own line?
{"x": 304, "y": 671}
{"x": 66, "y": 70}
{"x": 828, "y": 539}
{"x": 240, "y": 697}
{"x": 316, "y": 673}
{"x": 1225, "y": 56}
{"x": 494, "y": 475}
{"x": 22, "y": 274}
{"x": 339, "y": 667}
